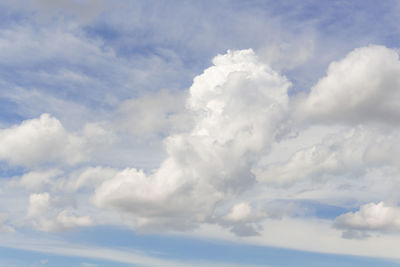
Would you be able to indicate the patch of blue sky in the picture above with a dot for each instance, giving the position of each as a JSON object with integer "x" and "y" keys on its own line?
{"x": 193, "y": 26}
{"x": 332, "y": 16}
{"x": 8, "y": 116}
{"x": 11, "y": 17}
{"x": 7, "y": 171}
{"x": 137, "y": 44}
{"x": 310, "y": 208}
{"x": 90, "y": 92}
{"x": 29, "y": 78}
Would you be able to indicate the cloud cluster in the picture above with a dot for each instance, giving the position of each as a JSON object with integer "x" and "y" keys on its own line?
{"x": 218, "y": 151}
{"x": 236, "y": 106}
{"x": 122, "y": 142}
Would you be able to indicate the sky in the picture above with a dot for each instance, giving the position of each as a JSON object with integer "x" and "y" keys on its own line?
{"x": 199, "y": 133}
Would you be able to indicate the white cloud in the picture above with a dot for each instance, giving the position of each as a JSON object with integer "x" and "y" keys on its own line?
{"x": 44, "y": 215}
{"x": 371, "y": 217}
{"x": 87, "y": 178}
{"x": 36, "y": 180}
{"x": 363, "y": 87}
{"x": 38, "y": 141}
{"x": 38, "y": 204}
{"x": 236, "y": 106}
{"x": 243, "y": 220}
{"x": 64, "y": 221}
{"x": 239, "y": 212}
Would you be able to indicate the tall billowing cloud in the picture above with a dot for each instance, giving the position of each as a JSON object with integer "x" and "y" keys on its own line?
{"x": 237, "y": 106}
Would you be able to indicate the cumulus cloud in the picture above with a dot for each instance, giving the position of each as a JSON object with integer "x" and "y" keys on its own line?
{"x": 87, "y": 178}
{"x": 44, "y": 141}
{"x": 38, "y": 204}
{"x": 236, "y": 105}
{"x": 38, "y": 141}
{"x": 44, "y": 217}
{"x": 370, "y": 217}
{"x": 65, "y": 221}
{"x": 239, "y": 212}
{"x": 361, "y": 88}
{"x": 243, "y": 220}
{"x": 36, "y": 180}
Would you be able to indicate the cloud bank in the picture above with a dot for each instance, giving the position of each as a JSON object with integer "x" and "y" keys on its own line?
{"x": 235, "y": 144}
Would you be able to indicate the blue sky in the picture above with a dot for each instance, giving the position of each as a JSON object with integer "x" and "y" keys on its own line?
{"x": 199, "y": 133}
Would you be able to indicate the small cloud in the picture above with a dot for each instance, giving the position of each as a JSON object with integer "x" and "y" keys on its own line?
{"x": 38, "y": 141}
{"x": 379, "y": 217}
